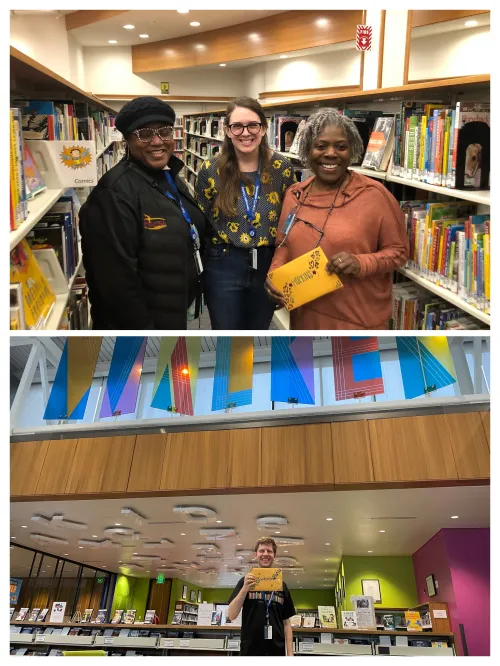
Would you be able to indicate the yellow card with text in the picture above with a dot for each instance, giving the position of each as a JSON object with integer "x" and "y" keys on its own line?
{"x": 268, "y": 580}
{"x": 304, "y": 279}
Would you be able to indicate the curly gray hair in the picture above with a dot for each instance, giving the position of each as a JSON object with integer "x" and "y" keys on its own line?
{"x": 317, "y": 122}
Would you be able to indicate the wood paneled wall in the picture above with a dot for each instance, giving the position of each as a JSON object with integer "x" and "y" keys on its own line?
{"x": 421, "y": 17}
{"x": 159, "y": 598}
{"x": 281, "y": 33}
{"x": 447, "y": 449}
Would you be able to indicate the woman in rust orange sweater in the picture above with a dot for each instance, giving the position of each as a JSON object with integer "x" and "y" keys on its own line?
{"x": 353, "y": 218}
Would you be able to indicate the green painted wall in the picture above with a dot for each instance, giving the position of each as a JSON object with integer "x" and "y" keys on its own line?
{"x": 303, "y": 599}
{"x": 398, "y": 587}
{"x": 176, "y": 595}
{"x": 131, "y": 593}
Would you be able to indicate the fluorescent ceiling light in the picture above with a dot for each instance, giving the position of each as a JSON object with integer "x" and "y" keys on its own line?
{"x": 112, "y": 41}
{"x": 283, "y": 57}
{"x": 144, "y": 36}
{"x": 471, "y": 24}
{"x": 222, "y": 64}
{"x": 129, "y": 26}
{"x": 183, "y": 11}
{"x": 322, "y": 23}
{"x": 195, "y": 24}
{"x": 454, "y": 517}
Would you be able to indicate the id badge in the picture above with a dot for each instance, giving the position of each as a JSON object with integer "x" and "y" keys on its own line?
{"x": 198, "y": 263}
{"x": 254, "y": 258}
{"x": 289, "y": 222}
{"x": 268, "y": 632}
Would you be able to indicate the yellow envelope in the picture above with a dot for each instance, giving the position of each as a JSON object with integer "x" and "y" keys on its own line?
{"x": 268, "y": 580}
{"x": 304, "y": 279}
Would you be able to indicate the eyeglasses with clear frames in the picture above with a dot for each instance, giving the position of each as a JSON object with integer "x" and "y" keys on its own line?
{"x": 147, "y": 134}
{"x": 237, "y": 128}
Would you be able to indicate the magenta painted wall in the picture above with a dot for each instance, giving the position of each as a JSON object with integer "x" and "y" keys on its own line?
{"x": 460, "y": 562}
{"x": 469, "y": 557}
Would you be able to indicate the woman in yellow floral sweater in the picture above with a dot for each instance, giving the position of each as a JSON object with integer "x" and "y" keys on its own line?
{"x": 241, "y": 191}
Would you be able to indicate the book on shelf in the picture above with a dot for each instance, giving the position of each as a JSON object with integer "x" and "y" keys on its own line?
{"x": 149, "y": 618}
{"x": 33, "y": 615}
{"x": 439, "y": 644}
{"x": 43, "y": 614}
{"x": 388, "y": 621}
{"x": 309, "y": 622}
{"x": 381, "y": 144}
{"x": 101, "y": 616}
{"x": 413, "y": 621}
{"x": 327, "y": 617}
{"x": 129, "y": 616}
{"x": 87, "y": 615}
{"x": 21, "y": 616}
{"x": 18, "y": 191}
{"x": 364, "y": 121}
{"x": 117, "y": 617}
{"x": 349, "y": 620}
{"x": 124, "y": 633}
{"x": 177, "y": 618}
{"x": 296, "y": 621}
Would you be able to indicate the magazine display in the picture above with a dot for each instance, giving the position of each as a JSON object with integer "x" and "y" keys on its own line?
{"x": 22, "y": 614}
{"x": 327, "y": 617}
{"x": 365, "y": 613}
{"x": 117, "y": 617}
{"x": 87, "y": 615}
{"x": 149, "y": 618}
{"x": 101, "y": 616}
{"x": 129, "y": 617}
{"x": 380, "y": 145}
{"x": 349, "y": 620}
{"x": 33, "y": 615}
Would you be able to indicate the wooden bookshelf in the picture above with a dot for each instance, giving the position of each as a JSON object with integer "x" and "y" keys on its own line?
{"x": 30, "y": 79}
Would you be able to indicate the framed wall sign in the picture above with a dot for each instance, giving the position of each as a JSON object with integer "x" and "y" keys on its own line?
{"x": 184, "y": 591}
{"x": 192, "y": 596}
{"x": 431, "y": 585}
{"x": 199, "y": 596}
{"x": 371, "y": 588}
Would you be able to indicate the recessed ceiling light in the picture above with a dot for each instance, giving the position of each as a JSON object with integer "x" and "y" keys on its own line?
{"x": 254, "y": 36}
{"x": 135, "y": 553}
{"x": 182, "y": 534}
{"x": 80, "y": 546}
{"x": 104, "y": 566}
{"x": 184, "y": 560}
{"x": 118, "y": 524}
{"x": 25, "y": 526}
{"x": 129, "y": 26}
{"x": 112, "y": 41}
{"x": 277, "y": 532}
{"x": 471, "y": 24}
{"x": 454, "y": 517}
{"x": 194, "y": 24}
{"x": 283, "y": 57}
{"x": 183, "y": 11}
{"x": 120, "y": 561}
{"x": 286, "y": 551}
{"x": 218, "y": 521}
{"x": 327, "y": 544}
{"x": 148, "y": 571}
{"x": 370, "y": 551}
{"x": 329, "y": 518}
{"x": 240, "y": 544}
{"x": 13, "y": 537}
{"x": 66, "y": 553}
{"x": 222, "y": 64}
{"x": 144, "y": 36}
{"x": 94, "y": 536}
{"x": 322, "y": 23}
{"x": 382, "y": 531}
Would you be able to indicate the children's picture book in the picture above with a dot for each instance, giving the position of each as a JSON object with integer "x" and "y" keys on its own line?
{"x": 33, "y": 615}
{"x": 296, "y": 621}
{"x": 117, "y": 617}
{"x": 349, "y": 620}
{"x": 22, "y": 614}
{"x": 309, "y": 622}
{"x": 129, "y": 617}
{"x": 101, "y": 616}
{"x": 177, "y": 618}
{"x": 87, "y": 615}
{"x": 268, "y": 580}
{"x": 216, "y": 618}
{"x": 327, "y": 617}
{"x": 34, "y": 181}
{"x": 304, "y": 279}
{"x": 42, "y": 615}
{"x": 413, "y": 621}
{"x": 12, "y": 611}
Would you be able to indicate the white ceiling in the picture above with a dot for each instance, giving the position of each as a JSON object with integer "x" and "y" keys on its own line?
{"x": 409, "y": 517}
{"x": 161, "y": 24}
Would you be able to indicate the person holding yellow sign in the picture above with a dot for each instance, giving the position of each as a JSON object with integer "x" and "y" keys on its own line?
{"x": 352, "y": 219}
{"x": 267, "y": 607}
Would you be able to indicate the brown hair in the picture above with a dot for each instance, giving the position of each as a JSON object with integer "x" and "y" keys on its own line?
{"x": 266, "y": 540}
{"x": 229, "y": 171}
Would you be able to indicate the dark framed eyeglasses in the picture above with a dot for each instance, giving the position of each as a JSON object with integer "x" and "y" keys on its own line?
{"x": 147, "y": 134}
{"x": 237, "y": 128}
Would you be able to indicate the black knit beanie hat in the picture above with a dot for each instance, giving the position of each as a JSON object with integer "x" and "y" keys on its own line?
{"x": 142, "y": 110}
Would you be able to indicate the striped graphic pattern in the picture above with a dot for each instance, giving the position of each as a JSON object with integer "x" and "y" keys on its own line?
{"x": 71, "y": 388}
{"x": 357, "y": 371}
{"x": 124, "y": 376}
{"x": 426, "y": 365}
{"x": 177, "y": 375}
{"x": 292, "y": 370}
{"x": 233, "y": 376}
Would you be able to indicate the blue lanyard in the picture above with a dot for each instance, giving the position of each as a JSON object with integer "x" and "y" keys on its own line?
{"x": 268, "y": 603}
{"x": 251, "y": 210}
{"x": 192, "y": 229}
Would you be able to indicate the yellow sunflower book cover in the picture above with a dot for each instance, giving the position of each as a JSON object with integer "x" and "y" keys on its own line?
{"x": 268, "y": 580}
{"x": 305, "y": 279}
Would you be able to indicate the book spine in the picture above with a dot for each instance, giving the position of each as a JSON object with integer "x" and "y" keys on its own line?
{"x": 439, "y": 151}
{"x": 20, "y": 162}
{"x": 452, "y": 277}
{"x": 397, "y": 147}
{"x": 487, "y": 271}
{"x": 14, "y": 177}
{"x": 453, "y": 173}
{"x": 434, "y": 146}
{"x": 423, "y": 145}
{"x": 416, "y": 155}
{"x": 408, "y": 144}
{"x": 446, "y": 147}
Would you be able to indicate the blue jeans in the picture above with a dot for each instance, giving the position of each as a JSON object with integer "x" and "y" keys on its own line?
{"x": 234, "y": 291}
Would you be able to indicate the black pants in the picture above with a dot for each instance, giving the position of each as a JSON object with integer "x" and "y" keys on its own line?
{"x": 234, "y": 291}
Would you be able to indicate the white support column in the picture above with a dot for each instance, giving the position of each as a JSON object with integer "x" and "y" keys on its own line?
{"x": 44, "y": 377}
{"x": 25, "y": 383}
{"x": 464, "y": 379}
{"x": 370, "y": 72}
{"x": 478, "y": 365}
{"x": 140, "y": 399}
{"x": 396, "y": 22}
{"x": 100, "y": 398}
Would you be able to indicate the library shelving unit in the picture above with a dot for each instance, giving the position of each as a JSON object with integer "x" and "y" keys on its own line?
{"x": 203, "y": 137}
{"x": 189, "y": 639}
{"x": 179, "y": 139}
{"x": 189, "y": 611}
{"x": 30, "y": 79}
{"x": 452, "y": 89}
